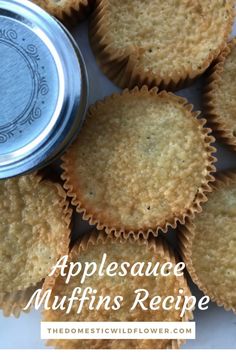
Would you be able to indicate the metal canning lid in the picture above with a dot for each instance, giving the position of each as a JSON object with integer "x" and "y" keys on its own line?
{"x": 43, "y": 88}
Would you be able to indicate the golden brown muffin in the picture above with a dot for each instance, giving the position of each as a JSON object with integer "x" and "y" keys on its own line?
{"x": 119, "y": 250}
{"x": 66, "y": 10}
{"x": 141, "y": 163}
{"x": 34, "y": 233}
{"x": 208, "y": 244}
{"x": 159, "y": 43}
{"x": 220, "y": 96}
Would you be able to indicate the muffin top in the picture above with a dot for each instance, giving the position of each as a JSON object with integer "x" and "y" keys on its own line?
{"x": 141, "y": 160}
{"x": 34, "y": 230}
{"x": 118, "y": 250}
{"x": 61, "y": 7}
{"x": 168, "y": 37}
{"x": 221, "y": 93}
{"x": 215, "y": 231}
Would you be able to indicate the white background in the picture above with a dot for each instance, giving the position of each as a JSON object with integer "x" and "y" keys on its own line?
{"x": 215, "y": 328}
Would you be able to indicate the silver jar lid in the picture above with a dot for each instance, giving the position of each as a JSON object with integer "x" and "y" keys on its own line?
{"x": 43, "y": 88}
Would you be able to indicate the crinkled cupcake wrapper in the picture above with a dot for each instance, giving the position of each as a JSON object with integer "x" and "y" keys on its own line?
{"x": 120, "y": 230}
{"x": 185, "y": 241}
{"x": 214, "y": 118}
{"x": 64, "y": 246}
{"x": 154, "y": 245}
{"x": 69, "y": 14}
{"x": 14, "y": 302}
{"x": 121, "y": 66}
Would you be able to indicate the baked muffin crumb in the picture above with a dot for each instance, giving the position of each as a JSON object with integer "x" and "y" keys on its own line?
{"x": 213, "y": 230}
{"x": 34, "y": 230}
{"x": 141, "y": 160}
{"x": 159, "y": 43}
{"x": 219, "y": 98}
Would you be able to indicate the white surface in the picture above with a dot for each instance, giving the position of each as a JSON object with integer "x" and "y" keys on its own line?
{"x": 216, "y": 328}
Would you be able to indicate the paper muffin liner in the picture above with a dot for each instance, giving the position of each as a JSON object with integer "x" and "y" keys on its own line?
{"x": 155, "y": 245}
{"x": 185, "y": 241}
{"x": 14, "y": 302}
{"x": 70, "y": 13}
{"x": 215, "y": 120}
{"x": 120, "y": 65}
{"x": 67, "y": 216}
{"x": 145, "y": 232}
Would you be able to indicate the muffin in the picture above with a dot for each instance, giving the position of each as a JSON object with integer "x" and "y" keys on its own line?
{"x": 68, "y": 11}
{"x": 220, "y": 96}
{"x": 141, "y": 163}
{"x": 119, "y": 250}
{"x": 34, "y": 233}
{"x": 159, "y": 43}
{"x": 208, "y": 244}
